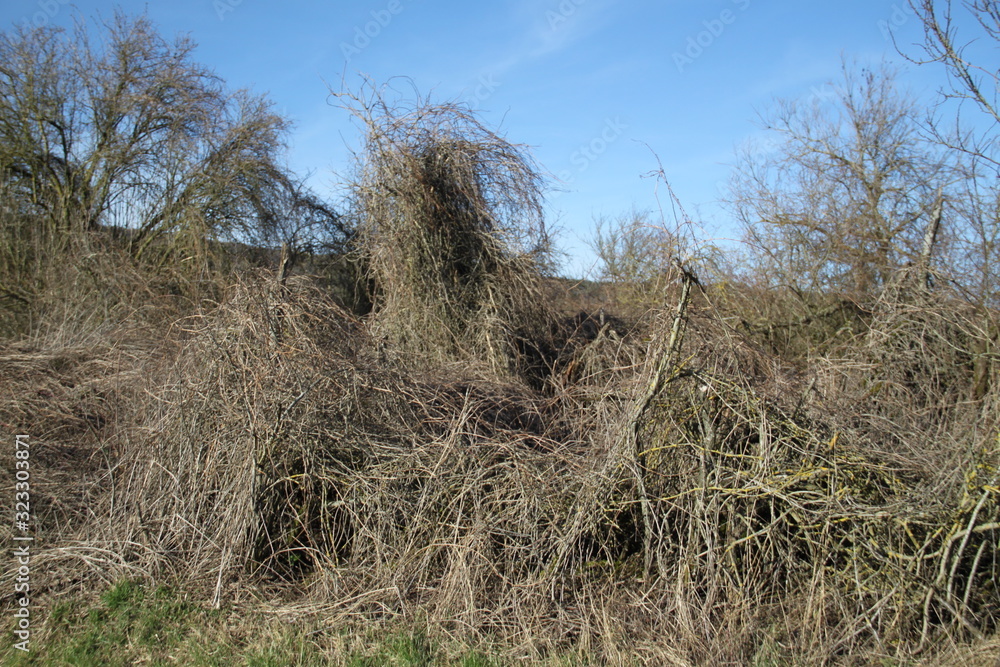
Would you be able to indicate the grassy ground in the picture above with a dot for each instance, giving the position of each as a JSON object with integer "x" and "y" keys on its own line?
{"x": 131, "y": 623}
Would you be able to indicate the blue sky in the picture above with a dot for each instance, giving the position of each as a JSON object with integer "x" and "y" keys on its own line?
{"x": 594, "y": 87}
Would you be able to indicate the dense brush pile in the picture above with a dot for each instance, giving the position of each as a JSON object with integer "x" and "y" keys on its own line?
{"x": 451, "y": 232}
{"x": 702, "y": 491}
{"x": 669, "y": 493}
{"x": 678, "y": 483}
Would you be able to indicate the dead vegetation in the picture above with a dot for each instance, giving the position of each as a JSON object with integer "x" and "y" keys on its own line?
{"x": 686, "y": 487}
{"x": 452, "y": 233}
{"x": 670, "y": 493}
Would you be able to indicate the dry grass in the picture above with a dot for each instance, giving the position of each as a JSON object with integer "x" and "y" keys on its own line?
{"x": 450, "y": 230}
{"x": 672, "y": 492}
{"x": 680, "y": 497}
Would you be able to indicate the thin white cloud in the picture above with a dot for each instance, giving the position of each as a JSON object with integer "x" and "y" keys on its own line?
{"x": 554, "y": 27}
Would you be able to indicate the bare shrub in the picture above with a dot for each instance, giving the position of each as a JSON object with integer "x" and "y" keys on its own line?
{"x": 798, "y": 326}
{"x": 753, "y": 506}
{"x": 245, "y": 422}
{"x": 271, "y": 444}
{"x": 451, "y": 231}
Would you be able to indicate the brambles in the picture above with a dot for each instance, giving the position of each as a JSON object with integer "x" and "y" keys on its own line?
{"x": 691, "y": 471}
{"x": 128, "y": 139}
{"x": 741, "y": 472}
{"x": 450, "y": 229}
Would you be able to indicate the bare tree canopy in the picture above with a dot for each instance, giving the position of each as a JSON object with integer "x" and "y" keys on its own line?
{"x": 842, "y": 198}
{"x": 962, "y": 38}
{"x": 970, "y": 82}
{"x": 129, "y": 130}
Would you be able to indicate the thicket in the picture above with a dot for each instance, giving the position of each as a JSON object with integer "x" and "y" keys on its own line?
{"x": 792, "y": 459}
{"x": 130, "y": 143}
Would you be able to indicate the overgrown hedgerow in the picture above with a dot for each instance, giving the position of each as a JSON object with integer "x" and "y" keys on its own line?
{"x": 668, "y": 493}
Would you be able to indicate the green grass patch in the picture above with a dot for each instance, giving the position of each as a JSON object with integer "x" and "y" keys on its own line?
{"x": 129, "y": 623}
{"x": 132, "y": 623}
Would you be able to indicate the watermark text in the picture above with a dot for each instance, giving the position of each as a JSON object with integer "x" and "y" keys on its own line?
{"x": 23, "y": 538}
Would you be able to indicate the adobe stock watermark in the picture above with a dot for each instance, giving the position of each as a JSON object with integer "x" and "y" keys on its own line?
{"x": 899, "y": 17}
{"x": 47, "y": 10}
{"x": 562, "y": 13}
{"x": 23, "y": 538}
{"x": 363, "y": 35}
{"x": 484, "y": 89}
{"x": 223, "y": 7}
{"x": 713, "y": 28}
{"x": 586, "y": 154}
{"x": 818, "y": 95}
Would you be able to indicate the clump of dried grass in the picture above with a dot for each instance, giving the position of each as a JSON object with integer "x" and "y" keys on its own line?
{"x": 451, "y": 231}
{"x": 234, "y": 461}
{"x": 67, "y": 400}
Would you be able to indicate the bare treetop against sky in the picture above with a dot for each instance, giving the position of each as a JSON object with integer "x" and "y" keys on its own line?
{"x": 593, "y": 86}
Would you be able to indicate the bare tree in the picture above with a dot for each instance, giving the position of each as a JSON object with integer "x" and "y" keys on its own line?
{"x": 635, "y": 256}
{"x": 842, "y": 198}
{"x": 132, "y": 132}
{"x": 965, "y": 124}
{"x": 977, "y": 258}
{"x": 969, "y": 81}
